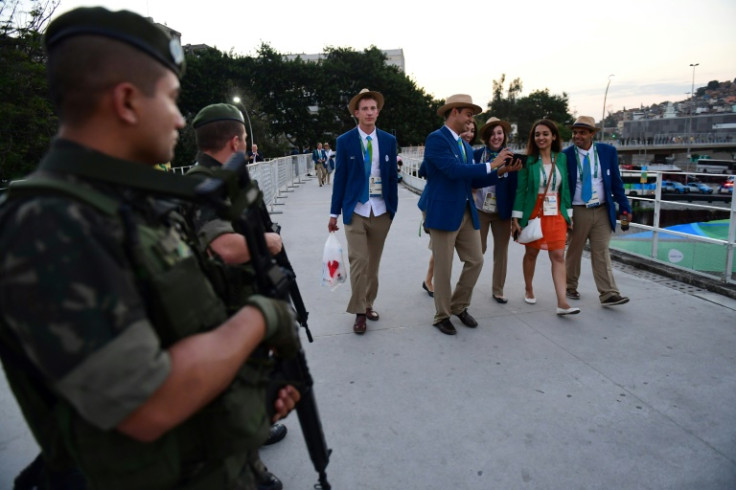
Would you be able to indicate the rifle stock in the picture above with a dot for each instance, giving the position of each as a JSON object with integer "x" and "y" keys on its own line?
{"x": 276, "y": 279}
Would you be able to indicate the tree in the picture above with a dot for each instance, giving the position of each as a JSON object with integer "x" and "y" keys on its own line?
{"x": 500, "y": 106}
{"x": 541, "y": 105}
{"x": 28, "y": 122}
{"x": 525, "y": 111}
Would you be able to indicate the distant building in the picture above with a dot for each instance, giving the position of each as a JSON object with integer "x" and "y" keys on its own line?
{"x": 394, "y": 57}
{"x": 721, "y": 126}
{"x": 196, "y": 48}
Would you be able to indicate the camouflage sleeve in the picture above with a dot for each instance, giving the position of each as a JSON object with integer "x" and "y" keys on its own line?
{"x": 208, "y": 226}
{"x": 67, "y": 291}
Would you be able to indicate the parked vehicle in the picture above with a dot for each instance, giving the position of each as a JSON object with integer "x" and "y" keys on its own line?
{"x": 700, "y": 188}
{"x": 726, "y": 187}
{"x": 676, "y": 187}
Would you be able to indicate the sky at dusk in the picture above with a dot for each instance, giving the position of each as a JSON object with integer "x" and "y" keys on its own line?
{"x": 564, "y": 46}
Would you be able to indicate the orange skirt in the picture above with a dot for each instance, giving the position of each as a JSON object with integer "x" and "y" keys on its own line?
{"x": 554, "y": 229}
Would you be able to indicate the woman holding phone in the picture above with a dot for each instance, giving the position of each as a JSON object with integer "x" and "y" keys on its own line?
{"x": 495, "y": 202}
{"x": 543, "y": 191}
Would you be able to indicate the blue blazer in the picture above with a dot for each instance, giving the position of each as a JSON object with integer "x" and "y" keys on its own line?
{"x": 612, "y": 183}
{"x": 318, "y": 155}
{"x": 350, "y": 180}
{"x": 505, "y": 187}
{"x": 450, "y": 180}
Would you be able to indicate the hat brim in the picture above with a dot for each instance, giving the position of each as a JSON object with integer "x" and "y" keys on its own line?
{"x": 585, "y": 126}
{"x": 352, "y": 106}
{"x": 441, "y": 111}
{"x": 489, "y": 125}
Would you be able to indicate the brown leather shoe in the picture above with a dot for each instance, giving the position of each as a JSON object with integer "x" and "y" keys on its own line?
{"x": 371, "y": 314}
{"x": 359, "y": 325}
{"x": 446, "y": 327}
{"x": 467, "y": 319}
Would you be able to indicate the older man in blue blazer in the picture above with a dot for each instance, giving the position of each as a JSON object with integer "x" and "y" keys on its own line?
{"x": 596, "y": 187}
{"x": 451, "y": 215}
{"x": 365, "y": 191}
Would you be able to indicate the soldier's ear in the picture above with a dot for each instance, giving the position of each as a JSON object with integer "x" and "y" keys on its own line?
{"x": 125, "y": 99}
{"x": 234, "y": 143}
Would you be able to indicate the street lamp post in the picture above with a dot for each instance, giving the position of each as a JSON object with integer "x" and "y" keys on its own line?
{"x": 236, "y": 100}
{"x": 690, "y": 119}
{"x": 603, "y": 117}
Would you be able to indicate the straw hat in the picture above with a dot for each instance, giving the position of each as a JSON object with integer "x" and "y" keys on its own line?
{"x": 492, "y": 123}
{"x": 459, "y": 100}
{"x": 586, "y": 122}
{"x": 365, "y": 93}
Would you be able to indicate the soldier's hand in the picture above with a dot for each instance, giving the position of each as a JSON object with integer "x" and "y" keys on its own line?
{"x": 286, "y": 400}
{"x": 281, "y": 333}
{"x": 273, "y": 242}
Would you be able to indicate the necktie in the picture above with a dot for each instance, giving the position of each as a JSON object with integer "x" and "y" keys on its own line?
{"x": 587, "y": 191}
{"x": 462, "y": 149}
{"x": 367, "y": 163}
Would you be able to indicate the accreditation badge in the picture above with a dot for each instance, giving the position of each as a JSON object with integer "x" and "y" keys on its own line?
{"x": 594, "y": 200}
{"x": 489, "y": 203}
{"x": 375, "y": 189}
{"x": 549, "y": 206}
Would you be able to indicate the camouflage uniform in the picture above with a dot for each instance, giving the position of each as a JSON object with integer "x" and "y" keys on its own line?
{"x": 71, "y": 302}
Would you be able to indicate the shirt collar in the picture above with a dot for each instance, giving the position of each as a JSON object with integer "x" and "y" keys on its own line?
{"x": 364, "y": 135}
{"x": 455, "y": 136}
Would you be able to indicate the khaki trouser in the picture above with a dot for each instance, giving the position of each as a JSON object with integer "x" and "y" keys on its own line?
{"x": 591, "y": 224}
{"x": 321, "y": 172}
{"x": 501, "y": 229}
{"x": 466, "y": 240}
{"x": 365, "y": 237}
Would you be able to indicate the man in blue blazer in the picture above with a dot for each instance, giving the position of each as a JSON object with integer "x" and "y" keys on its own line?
{"x": 596, "y": 187}
{"x": 451, "y": 215}
{"x": 365, "y": 191}
{"x": 319, "y": 158}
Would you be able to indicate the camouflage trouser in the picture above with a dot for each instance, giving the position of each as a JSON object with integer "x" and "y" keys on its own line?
{"x": 256, "y": 468}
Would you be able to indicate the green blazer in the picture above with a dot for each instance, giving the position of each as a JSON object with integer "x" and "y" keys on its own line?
{"x": 528, "y": 188}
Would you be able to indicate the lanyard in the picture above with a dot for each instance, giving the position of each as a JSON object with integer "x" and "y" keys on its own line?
{"x": 594, "y": 162}
{"x": 489, "y": 154}
{"x": 544, "y": 174}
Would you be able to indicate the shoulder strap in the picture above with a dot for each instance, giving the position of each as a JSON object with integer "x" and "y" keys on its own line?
{"x": 32, "y": 186}
{"x": 200, "y": 170}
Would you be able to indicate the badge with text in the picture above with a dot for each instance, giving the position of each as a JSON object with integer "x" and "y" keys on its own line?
{"x": 376, "y": 189}
{"x": 489, "y": 203}
{"x": 549, "y": 207}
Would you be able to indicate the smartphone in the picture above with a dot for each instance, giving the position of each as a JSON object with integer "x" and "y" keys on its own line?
{"x": 520, "y": 156}
{"x": 516, "y": 235}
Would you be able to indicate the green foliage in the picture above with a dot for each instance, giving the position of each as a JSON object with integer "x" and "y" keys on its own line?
{"x": 27, "y": 123}
{"x": 294, "y": 103}
{"x": 524, "y": 111}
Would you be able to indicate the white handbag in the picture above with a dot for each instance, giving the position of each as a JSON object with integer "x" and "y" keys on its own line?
{"x": 533, "y": 229}
{"x": 531, "y": 232}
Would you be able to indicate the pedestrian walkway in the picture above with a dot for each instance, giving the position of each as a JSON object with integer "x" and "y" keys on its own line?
{"x": 641, "y": 396}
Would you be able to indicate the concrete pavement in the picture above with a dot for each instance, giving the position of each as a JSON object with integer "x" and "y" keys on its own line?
{"x": 641, "y": 396}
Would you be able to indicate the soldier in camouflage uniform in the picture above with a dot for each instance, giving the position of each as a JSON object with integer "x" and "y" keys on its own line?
{"x": 220, "y": 133}
{"x": 123, "y": 359}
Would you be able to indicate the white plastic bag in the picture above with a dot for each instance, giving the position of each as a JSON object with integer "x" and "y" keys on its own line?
{"x": 531, "y": 232}
{"x": 333, "y": 265}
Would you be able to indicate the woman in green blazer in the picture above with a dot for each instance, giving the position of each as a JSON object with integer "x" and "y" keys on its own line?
{"x": 543, "y": 191}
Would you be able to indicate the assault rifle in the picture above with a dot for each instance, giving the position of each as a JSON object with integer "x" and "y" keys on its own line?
{"x": 238, "y": 199}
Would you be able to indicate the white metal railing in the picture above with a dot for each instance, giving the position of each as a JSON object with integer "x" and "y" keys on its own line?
{"x": 276, "y": 177}
{"x": 655, "y": 250}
